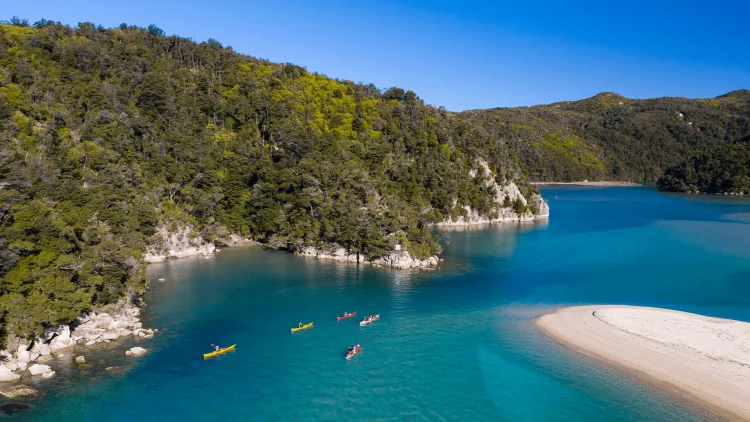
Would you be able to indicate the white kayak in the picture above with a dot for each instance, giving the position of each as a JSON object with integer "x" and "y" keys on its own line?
{"x": 369, "y": 320}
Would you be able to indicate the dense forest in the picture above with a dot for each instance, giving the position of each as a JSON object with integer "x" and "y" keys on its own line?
{"x": 107, "y": 135}
{"x": 725, "y": 169}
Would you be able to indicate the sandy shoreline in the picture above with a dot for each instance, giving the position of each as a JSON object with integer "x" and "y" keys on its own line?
{"x": 706, "y": 359}
{"x": 599, "y": 184}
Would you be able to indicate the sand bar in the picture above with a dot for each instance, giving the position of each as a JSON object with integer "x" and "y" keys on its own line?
{"x": 605, "y": 183}
{"x": 708, "y": 359}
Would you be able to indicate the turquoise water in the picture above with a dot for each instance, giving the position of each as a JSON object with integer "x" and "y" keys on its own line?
{"x": 452, "y": 344}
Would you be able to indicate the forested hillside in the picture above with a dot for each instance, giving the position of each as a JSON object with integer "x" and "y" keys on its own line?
{"x": 109, "y": 134}
{"x": 610, "y": 137}
{"x": 725, "y": 169}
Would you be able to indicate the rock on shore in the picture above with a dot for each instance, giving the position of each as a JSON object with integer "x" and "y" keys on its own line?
{"x": 89, "y": 330}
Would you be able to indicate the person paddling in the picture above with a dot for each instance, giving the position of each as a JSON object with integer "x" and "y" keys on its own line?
{"x": 300, "y": 325}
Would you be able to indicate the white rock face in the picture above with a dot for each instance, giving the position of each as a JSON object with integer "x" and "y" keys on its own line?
{"x": 37, "y": 369}
{"x": 500, "y": 213}
{"x": 403, "y": 260}
{"x": 136, "y": 352}
{"x": 396, "y": 259}
{"x": 177, "y": 245}
{"x": 7, "y": 375}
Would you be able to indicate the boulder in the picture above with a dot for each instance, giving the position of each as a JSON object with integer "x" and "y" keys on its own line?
{"x": 80, "y": 359}
{"x": 136, "y": 352}
{"x": 111, "y": 335}
{"x": 37, "y": 369}
{"x": 90, "y": 343}
{"x": 137, "y": 325}
{"x": 7, "y": 375}
{"x": 33, "y": 356}
{"x": 59, "y": 343}
{"x": 93, "y": 334}
{"x": 23, "y": 356}
{"x": 21, "y": 366}
{"x": 49, "y": 374}
{"x": 20, "y": 391}
{"x": 103, "y": 320}
{"x": 117, "y": 324}
{"x": 12, "y": 365}
{"x": 125, "y": 333}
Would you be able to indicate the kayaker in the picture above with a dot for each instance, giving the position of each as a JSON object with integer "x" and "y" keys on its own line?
{"x": 217, "y": 348}
{"x": 300, "y": 325}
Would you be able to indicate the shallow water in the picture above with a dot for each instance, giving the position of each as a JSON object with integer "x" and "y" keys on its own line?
{"x": 451, "y": 344}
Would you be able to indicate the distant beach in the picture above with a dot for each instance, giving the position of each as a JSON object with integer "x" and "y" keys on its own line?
{"x": 707, "y": 359}
{"x": 587, "y": 183}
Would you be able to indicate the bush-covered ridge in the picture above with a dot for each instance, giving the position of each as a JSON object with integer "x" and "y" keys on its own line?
{"x": 610, "y": 137}
{"x": 108, "y": 134}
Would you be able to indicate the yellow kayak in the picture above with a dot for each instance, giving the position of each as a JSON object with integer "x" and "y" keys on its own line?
{"x": 218, "y": 352}
{"x": 304, "y": 327}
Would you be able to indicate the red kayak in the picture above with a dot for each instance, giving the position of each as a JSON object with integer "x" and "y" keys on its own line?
{"x": 354, "y": 351}
{"x": 345, "y": 316}
{"x": 370, "y": 319}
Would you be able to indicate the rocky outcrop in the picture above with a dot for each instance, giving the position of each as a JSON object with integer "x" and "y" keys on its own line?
{"x": 503, "y": 210}
{"x": 395, "y": 259}
{"x": 178, "y": 244}
{"x": 403, "y": 260}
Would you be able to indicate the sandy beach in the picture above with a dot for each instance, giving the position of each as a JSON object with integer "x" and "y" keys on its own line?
{"x": 606, "y": 183}
{"x": 707, "y": 359}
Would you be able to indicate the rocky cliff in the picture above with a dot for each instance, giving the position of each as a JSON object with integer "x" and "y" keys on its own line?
{"x": 177, "y": 244}
{"x": 504, "y": 208}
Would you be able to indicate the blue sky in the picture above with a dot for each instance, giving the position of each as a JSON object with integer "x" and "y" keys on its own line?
{"x": 464, "y": 54}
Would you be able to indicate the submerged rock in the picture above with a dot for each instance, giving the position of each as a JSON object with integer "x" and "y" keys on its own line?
{"x": 80, "y": 359}
{"x": 117, "y": 369}
{"x": 10, "y": 409}
{"x": 20, "y": 390}
{"x": 49, "y": 374}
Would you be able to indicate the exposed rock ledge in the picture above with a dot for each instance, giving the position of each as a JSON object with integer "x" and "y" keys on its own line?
{"x": 395, "y": 259}
{"x": 508, "y": 193}
{"x": 88, "y": 330}
{"x": 181, "y": 244}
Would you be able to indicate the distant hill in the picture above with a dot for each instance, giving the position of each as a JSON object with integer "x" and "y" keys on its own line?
{"x": 611, "y": 137}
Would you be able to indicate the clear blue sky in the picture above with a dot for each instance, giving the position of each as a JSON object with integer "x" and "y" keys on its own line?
{"x": 464, "y": 54}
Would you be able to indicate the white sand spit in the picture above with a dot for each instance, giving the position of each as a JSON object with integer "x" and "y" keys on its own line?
{"x": 706, "y": 358}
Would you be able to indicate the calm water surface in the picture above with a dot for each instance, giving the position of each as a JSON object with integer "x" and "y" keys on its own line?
{"x": 451, "y": 344}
